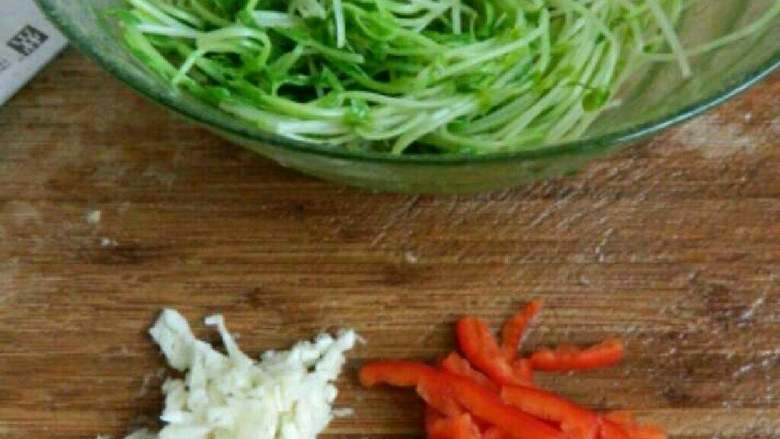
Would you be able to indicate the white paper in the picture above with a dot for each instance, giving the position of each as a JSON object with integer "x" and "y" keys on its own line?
{"x": 27, "y": 42}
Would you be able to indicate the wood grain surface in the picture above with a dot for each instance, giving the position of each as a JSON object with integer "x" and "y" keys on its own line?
{"x": 674, "y": 245}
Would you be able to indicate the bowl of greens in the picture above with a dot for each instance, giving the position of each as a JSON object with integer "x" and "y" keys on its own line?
{"x": 430, "y": 95}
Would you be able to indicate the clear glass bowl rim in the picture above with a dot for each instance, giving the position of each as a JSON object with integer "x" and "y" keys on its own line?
{"x": 586, "y": 145}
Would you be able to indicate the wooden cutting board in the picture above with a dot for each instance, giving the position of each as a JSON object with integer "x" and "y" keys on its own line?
{"x": 111, "y": 208}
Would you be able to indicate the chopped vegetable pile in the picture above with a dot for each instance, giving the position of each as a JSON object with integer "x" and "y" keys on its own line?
{"x": 285, "y": 395}
{"x": 400, "y": 76}
{"x": 490, "y": 394}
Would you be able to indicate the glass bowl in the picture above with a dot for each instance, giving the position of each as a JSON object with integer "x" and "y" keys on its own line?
{"x": 655, "y": 99}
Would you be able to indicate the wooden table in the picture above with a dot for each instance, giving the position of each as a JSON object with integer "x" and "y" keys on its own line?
{"x": 111, "y": 208}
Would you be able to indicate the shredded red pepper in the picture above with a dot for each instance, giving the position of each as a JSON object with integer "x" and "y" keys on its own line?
{"x": 394, "y": 373}
{"x": 646, "y": 432}
{"x": 438, "y": 393}
{"x": 523, "y": 369}
{"x": 438, "y": 388}
{"x": 426, "y": 379}
{"x": 487, "y": 405}
{"x": 489, "y": 394}
{"x": 622, "y": 417}
{"x": 564, "y": 358}
{"x": 514, "y": 329}
{"x": 578, "y": 422}
{"x": 454, "y": 427}
{"x": 611, "y": 430}
{"x": 480, "y": 347}
{"x": 457, "y": 365}
{"x": 495, "y": 433}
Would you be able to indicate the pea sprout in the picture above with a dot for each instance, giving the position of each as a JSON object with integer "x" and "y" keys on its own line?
{"x": 399, "y": 76}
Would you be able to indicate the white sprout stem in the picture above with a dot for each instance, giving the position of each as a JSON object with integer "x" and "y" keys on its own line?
{"x": 671, "y": 37}
{"x": 338, "y": 15}
{"x": 156, "y": 29}
{"x": 457, "y": 26}
{"x": 275, "y": 19}
{"x": 154, "y": 11}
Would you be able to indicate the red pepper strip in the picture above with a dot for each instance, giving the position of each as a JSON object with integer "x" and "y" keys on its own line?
{"x": 486, "y": 405}
{"x": 578, "y": 422}
{"x": 428, "y": 381}
{"x": 481, "y": 349}
{"x": 565, "y": 358}
{"x": 514, "y": 328}
{"x": 611, "y": 430}
{"x": 432, "y": 417}
{"x": 646, "y": 432}
{"x": 395, "y": 373}
{"x": 622, "y": 417}
{"x": 457, "y": 365}
{"x": 522, "y": 369}
{"x": 434, "y": 390}
{"x": 495, "y": 433}
{"x": 457, "y": 427}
